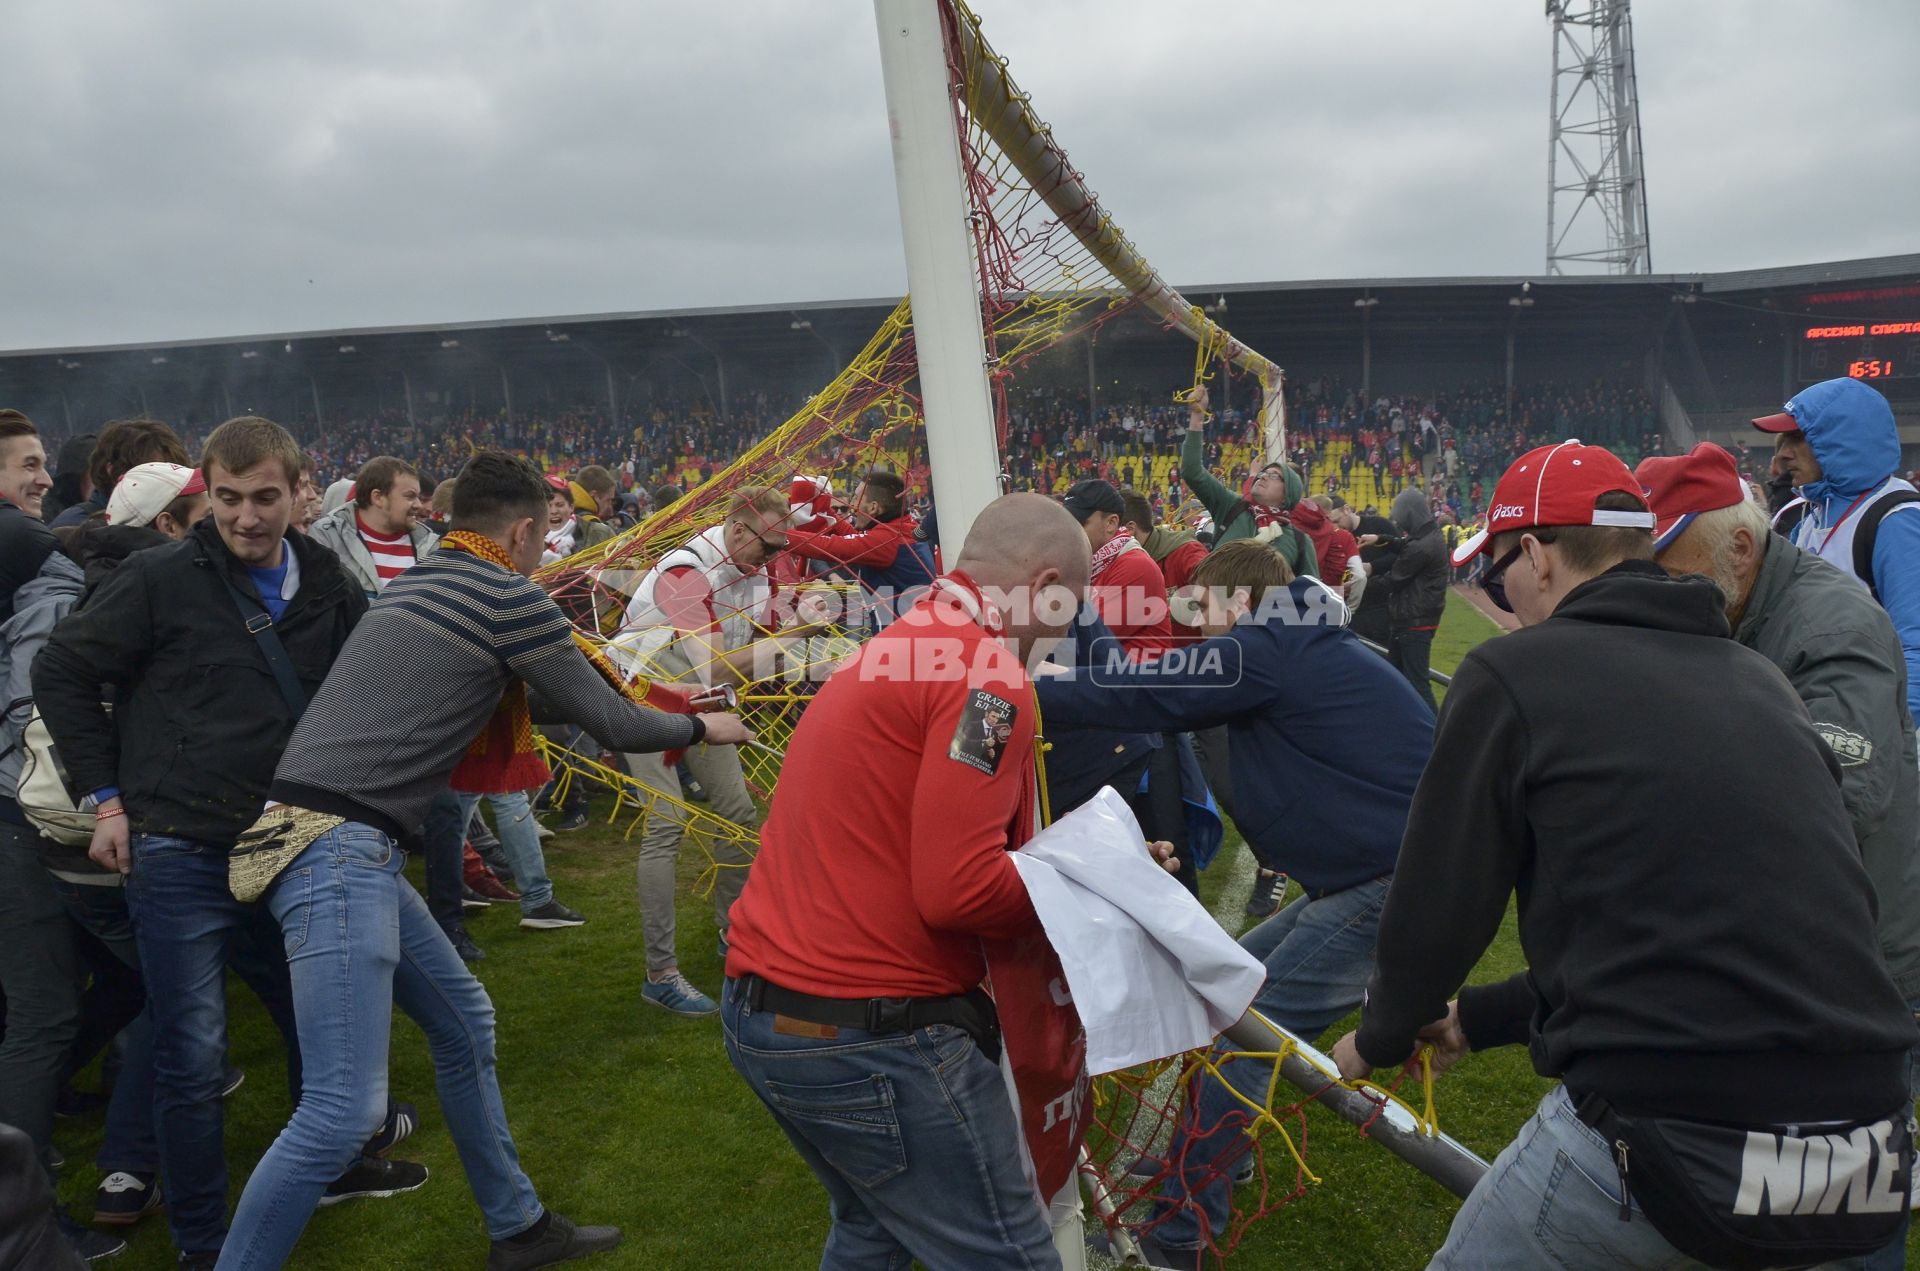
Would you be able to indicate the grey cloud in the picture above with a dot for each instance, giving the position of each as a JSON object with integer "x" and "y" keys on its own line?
{"x": 217, "y": 168}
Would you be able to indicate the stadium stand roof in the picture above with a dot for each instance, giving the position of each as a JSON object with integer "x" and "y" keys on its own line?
{"x": 1306, "y": 326}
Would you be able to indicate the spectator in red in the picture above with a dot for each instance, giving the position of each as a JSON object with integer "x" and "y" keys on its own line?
{"x": 1333, "y": 547}
{"x": 882, "y": 546}
{"x": 1175, "y": 550}
{"x": 1128, "y": 589}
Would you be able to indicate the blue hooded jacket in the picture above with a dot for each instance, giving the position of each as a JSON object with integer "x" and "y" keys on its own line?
{"x": 1851, "y": 431}
{"x": 1325, "y": 740}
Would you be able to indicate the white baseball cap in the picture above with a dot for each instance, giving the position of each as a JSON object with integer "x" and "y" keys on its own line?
{"x": 146, "y": 490}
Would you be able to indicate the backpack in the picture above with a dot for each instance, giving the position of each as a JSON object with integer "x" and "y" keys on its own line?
{"x": 44, "y": 796}
{"x": 1788, "y": 520}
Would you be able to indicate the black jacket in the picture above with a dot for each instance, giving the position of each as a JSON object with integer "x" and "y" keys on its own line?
{"x": 1370, "y": 615}
{"x": 1416, "y": 584}
{"x": 199, "y": 723}
{"x": 25, "y": 544}
{"x": 1692, "y": 904}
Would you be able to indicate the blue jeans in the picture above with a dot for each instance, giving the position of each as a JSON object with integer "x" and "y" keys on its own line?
{"x": 1552, "y": 1199}
{"x": 442, "y": 845}
{"x": 130, "y": 1144}
{"x": 912, "y": 1135}
{"x": 359, "y": 942}
{"x": 187, "y": 926}
{"x": 1319, "y": 955}
{"x": 520, "y": 839}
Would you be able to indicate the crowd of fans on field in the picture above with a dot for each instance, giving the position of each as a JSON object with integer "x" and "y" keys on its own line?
{"x": 134, "y": 566}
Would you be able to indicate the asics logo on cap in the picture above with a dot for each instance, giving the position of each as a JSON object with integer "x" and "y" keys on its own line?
{"x": 1506, "y": 510}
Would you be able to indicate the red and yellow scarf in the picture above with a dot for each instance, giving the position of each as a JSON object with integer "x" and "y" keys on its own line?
{"x": 503, "y": 758}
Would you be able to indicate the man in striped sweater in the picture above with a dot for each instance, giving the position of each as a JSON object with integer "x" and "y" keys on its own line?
{"x": 380, "y": 535}
{"x": 469, "y": 628}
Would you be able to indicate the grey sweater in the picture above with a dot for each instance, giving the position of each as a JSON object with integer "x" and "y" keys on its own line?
{"x": 422, "y": 674}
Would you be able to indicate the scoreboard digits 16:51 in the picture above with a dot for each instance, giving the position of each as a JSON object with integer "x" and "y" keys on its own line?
{"x": 1864, "y": 350}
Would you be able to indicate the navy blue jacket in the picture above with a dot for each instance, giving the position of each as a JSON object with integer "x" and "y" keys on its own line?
{"x": 1081, "y": 761}
{"x": 1325, "y": 740}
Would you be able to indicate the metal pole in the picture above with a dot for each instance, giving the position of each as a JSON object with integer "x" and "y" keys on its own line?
{"x": 1093, "y": 378}
{"x": 1438, "y": 1156}
{"x": 941, "y": 278}
{"x": 1553, "y": 128}
{"x": 406, "y": 382}
{"x": 1787, "y": 345}
{"x": 314, "y": 384}
{"x": 506, "y": 390}
{"x": 1512, "y": 321}
{"x": 1438, "y": 677}
{"x": 1366, "y": 352}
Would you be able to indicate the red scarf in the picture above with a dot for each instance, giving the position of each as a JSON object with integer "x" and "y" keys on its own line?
{"x": 1115, "y": 548}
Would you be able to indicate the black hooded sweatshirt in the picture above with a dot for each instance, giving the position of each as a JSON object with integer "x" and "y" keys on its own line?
{"x": 1692, "y": 903}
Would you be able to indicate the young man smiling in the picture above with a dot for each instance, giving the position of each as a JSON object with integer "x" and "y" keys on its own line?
{"x": 381, "y": 534}
{"x": 182, "y": 766}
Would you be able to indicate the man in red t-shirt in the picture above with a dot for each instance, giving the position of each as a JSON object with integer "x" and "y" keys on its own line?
{"x": 1128, "y": 589}
{"x": 852, "y": 1005}
{"x": 1176, "y": 551}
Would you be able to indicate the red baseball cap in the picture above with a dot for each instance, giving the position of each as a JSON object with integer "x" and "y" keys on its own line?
{"x": 1783, "y": 422}
{"x": 1680, "y": 487}
{"x": 1556, "y": 485}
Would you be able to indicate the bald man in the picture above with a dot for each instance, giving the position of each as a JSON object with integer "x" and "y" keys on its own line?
{"x": 852, "y": 1005}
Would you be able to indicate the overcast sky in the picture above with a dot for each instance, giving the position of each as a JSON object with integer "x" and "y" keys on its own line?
{"x": 222, "y": 167}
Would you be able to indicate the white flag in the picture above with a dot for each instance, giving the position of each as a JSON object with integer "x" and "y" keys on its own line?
{"x": 1151, "y": 973}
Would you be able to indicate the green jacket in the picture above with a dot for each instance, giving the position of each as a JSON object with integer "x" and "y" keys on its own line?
{"x": 1232, "y": 516}
{"x": 590, "y": 532}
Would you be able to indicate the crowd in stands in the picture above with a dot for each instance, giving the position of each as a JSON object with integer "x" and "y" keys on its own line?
{"x": 1365, "y": 449}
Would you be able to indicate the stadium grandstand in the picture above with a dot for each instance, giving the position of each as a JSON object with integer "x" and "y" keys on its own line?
{"x": 670, "y": 396}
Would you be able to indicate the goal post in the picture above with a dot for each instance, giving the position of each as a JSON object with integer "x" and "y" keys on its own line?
{"x": 963, "y": 447}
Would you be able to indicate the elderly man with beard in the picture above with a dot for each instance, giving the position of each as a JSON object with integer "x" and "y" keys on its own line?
{"x": 1838, "y": 650}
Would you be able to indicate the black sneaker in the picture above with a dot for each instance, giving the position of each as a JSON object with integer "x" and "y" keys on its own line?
{"x": 125, "y": 1197}
{"x": 231, "y": 1080}
{"x": 198, "y": 1261}
{"x": 369, "y": 1177}
{"x": 464, "y": 946}
{"x": 551, "y": 915}
{"x": 94, "y": 1246}
{"x": 471, "y": 899}
{"x": 695, "y": 792}
{"x": 571, "y": 822}
{"x": 1268, "y": 887}
{"x": 401, "y": 1121}
{"x": 553, "y": 1239}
